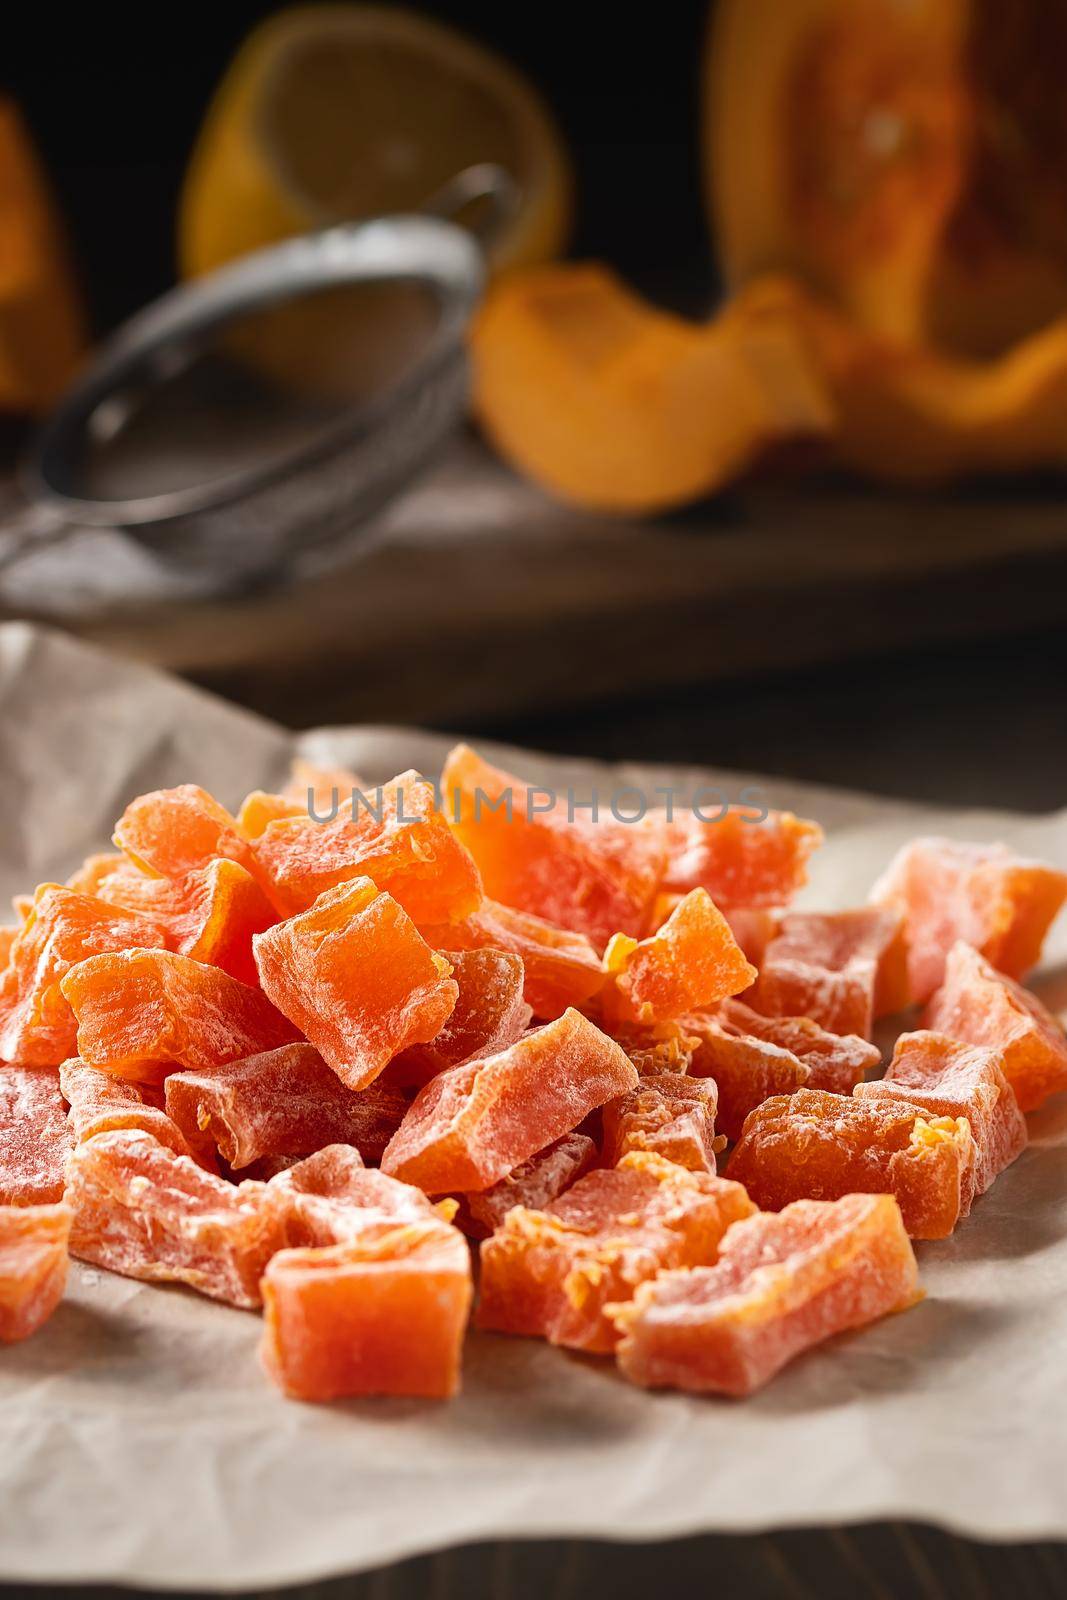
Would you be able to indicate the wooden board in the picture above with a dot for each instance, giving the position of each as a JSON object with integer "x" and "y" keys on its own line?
{"x": 480, "y": 597}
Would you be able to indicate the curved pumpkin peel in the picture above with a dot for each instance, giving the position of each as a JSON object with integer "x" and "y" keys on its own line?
{"x": 904, "y": 160}
{"x": 615, "y": 406}
{"x": 912, "y": 416}
{"x": 42, "y": 333}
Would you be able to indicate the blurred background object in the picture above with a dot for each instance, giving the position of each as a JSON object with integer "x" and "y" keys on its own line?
{"x": 331, "y": 113}
{"x": 856, "y": 453}
{"x": 42, "y": 334}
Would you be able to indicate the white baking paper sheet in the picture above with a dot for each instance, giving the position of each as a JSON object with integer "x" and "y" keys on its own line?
{"x": 141, "y": 1444}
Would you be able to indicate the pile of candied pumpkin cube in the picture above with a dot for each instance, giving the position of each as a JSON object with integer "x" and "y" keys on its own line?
{"x": 340, "y": 1069}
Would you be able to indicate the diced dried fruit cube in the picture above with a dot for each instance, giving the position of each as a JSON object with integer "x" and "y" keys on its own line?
{"x": 397, "y": 836}
{"x": 61, "y": 929}
{"x": 746, "y": 1071}
{"x": 95, "y": 868}
{"x": 561, "y": 968}
{"x": 471, "y": 1126}
{"x": 551, "y": 1273}
{"x": 540, "y": 854}
{"x": 307, "y": 777}
{"x": 382, "y": 1314}
{"x": 659, "y": 1047}
{"x": 143, "y": 1013}
{"x": 102, "y": 1104}
{"x": 949, "y": 1079}
{"x": 175, "y": 831}
{"x": 357, "y": 978}
{"x": 490, "y": 1014}
{"x": 331, "y": 1198}
{"x": 671, "y": 1115}
{"x": 260, "y": 808}
{"x": 691, "y": 962}
{"x": 141, "y": 1210}
{"x": 753, "y": 927}
{"x": 210, "y": 915}
{"x": 842, "y": 969}
{"x": 783, "y": 1282}
{"x": 284, "y": 1102}
{"x": 752, "y": 1057}
{"x": 34, "y": 1137}
{"x": 742, "y": 858}
{"x": 981, "y": 1006}
{"x": 834, "y": 1061}
{"x": 813, "y": 1145}
{"x": 33, "y": 1267}
{"x": 999, "y": 902}
{"x": 534, "y": 1184}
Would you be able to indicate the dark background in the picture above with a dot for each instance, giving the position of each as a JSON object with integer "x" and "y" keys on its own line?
{"x": 115, "y": 95}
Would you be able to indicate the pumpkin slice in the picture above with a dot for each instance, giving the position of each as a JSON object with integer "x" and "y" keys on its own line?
{"x": 613, "y": 405}
{"x": 915, "y": 417}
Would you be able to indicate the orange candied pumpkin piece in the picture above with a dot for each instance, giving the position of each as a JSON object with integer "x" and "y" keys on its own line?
{"x": 143, "y": 1211}
{"x": 538, "y": 854}
{"x": 210, "y": 914}
{"x": 384, "y": 1313}
{"x": 834, "y": 1061}
{"x": 753, "y": 927}
{"x": 471, "y": 1126}
{"x": 550, "y": 1273}
{"x": 661, "y": 1047}
{"x": 87, "y": 878}
{"x": 745, "y": 858}
{"x": 372, "y": 1292}
{"x": 986, "y": 895}
{"x": 331, "y": 1197}
{"x": 980, "y": 1006}
{"x": 260, "y": 808}
{"x": 33, "y": 1267}
{"x": 357, "y": 978}
{"x": 842, "y": 969}
{"x": 396, "y": 836}
{"x": 746, "y": 1071}
{"x": 491, "y": 1013}
{"x": 173, "y": 831}
{"x": 813, "y": 1145}
{"x": 61, "y": 929}
{"x": 560, "y": 968}
{"x": 670, "y": 1114}
{"x": 101, "y": 1104}
{"x": 534, "y": 1184}
{"x": 783, "y": 1282}
{"x": 949, "y": 1079}
{"x": 284, "y": 1102}
{"x": 34, "y": 1136}
{"x": 692, "y": 961}
{"x": 143, "y": 1013}
{"x": 752, "y": 1057}
{"x": 316, "y": 786}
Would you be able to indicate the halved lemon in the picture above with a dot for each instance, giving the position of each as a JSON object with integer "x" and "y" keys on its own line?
{"x": 337, "y": 112}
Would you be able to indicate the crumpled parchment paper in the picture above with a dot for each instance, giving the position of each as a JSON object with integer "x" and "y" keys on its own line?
{"x": 141, "y": 1444}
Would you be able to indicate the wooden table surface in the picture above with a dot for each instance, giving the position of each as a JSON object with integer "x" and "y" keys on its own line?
{"x": 480, "y": 598}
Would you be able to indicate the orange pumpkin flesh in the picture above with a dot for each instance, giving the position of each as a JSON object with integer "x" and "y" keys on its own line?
{"x": 906, "y": 160}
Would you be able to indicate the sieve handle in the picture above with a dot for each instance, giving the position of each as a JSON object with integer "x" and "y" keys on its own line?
{"x": 29, "y": 528}
{"x": 484, "y": 181}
